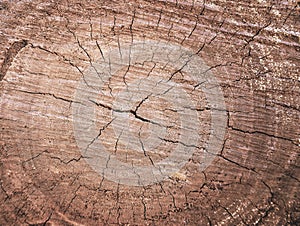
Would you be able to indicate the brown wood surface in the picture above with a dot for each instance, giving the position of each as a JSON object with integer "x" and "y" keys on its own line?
{"x": 253, "y": 49}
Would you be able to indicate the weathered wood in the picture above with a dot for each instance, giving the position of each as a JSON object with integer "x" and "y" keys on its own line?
{"x": 48, "y": 48}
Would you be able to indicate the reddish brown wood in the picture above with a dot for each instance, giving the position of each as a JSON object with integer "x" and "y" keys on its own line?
{"x": 252, "y": 47}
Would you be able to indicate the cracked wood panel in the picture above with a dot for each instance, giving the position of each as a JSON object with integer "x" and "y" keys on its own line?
{"x": 252, "y": 47}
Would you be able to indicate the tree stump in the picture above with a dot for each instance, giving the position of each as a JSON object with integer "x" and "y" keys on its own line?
{"x": 150, "y": 112}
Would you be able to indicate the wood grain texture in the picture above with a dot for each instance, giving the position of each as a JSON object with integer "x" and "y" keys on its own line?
{"x": 252, "y": 48}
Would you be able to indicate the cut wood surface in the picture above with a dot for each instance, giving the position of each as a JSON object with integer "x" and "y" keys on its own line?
{"x": 149, "y": 112}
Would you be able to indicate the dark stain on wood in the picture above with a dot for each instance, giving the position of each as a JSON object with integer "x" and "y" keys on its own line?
{"x": 14, "y": 49}
{"x": 3, "y": 6}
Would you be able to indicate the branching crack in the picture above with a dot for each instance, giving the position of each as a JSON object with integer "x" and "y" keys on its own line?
{"x": 257, "y": 33}
{"x": 133, "y": 112}
{"x": 65, "y": 60}
{"x": 100, "y": 132}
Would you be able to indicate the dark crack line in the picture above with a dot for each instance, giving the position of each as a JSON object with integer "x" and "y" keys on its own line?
{"x": 159, "y": 19}
{"x": 47, "y": 220}
{"x": 143, "y": 148}
{"x": 259, "y": 74}
{"x": 262, "y": 133}
{"x": 203, "y": 9}
{"x": 131, "y": 24}
{"x": 36, "y": 156}
{"x": 144, "y": 207}
{"x": 285, "y": 105}
{"x": 91, "y": 28}
{"x": 100, "y": 50}
{"x": 128, "y": 68}
{"x": 246, "y": 56}
{"x": 100, "y": 185}
{"x": 88, "y": 55}
{"x": 133, "y": 168}
{"x": 108, "y": 159}
{"x": 117, "y": 141}
{"x": 114, "y": 25}
{"x": 103, "y": 105}
{"x": 129, "y": 60}
{"x": 133, "y": 112}
{"x": 290, "y": 13}
{"x": 174, "y": 202}
{"x": 180, "y": 69}
{"x": 99, "y": 134}
{"x": 194, "y": 28}
{"x": 227, "y": 211}
{"x": 237, "y": 164}
{"x": 151, "y": 70}
{"x": 257, "y": 33}
{"x": 119, "y": 47}
{"x": 65, "y": 60}
{"x": 179, "y": 142}
{"x": 147, "y": 120}
{"x": 200, "y": 49}
{"x": 70, "y": 203}
{"x": 170, "y": 31}
{"x": 211, "y": 68}
{"x": 271, "y": 203}
{"x": 48, "y": 94}
{"x": 69, "y": 161}
{"x": 142, "y": 101}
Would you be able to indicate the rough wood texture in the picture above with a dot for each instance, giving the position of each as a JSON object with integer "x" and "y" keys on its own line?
{"x": 251, "y": 47}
